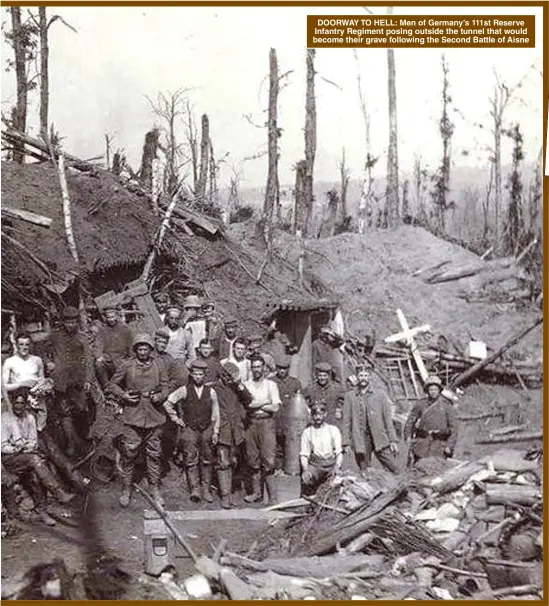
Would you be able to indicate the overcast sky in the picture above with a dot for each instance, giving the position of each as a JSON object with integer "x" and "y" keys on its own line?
{"x": 101, "y": 75}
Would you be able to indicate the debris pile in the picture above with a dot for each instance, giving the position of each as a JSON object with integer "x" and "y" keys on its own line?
{"x": 445, "y": 530}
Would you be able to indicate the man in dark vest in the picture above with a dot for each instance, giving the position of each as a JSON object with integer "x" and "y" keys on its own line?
{"x": 141, "y": 386}
{"x": 195, "y": 409}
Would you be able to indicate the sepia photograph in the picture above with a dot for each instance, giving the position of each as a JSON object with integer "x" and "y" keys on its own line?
{"x": 272, "y": 302}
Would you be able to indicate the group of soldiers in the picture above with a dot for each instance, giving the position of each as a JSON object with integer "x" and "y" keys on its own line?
{"x": 222, "y": 397}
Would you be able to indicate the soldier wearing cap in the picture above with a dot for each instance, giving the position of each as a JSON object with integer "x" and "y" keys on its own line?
{"x": 325, "y": 351}
{"x": 261, "y": 431}
{"x": 70, "y": 357}
{"x": 205, "y": 353}
{"x": 195, "y": 409}
{"x": 112, "y": 344}
{"x": 223, "y": 345}
{"x": 325, "y": 390}
{"x": 256, "y": 348}
{"x": 239, "y": 359}
{"x": 321, "y": 451}
{"x": 367, "y": 426}
{"x": 194, "y": 325}
{"x": 432, "y": 425}
{"x": 141, "y": 385}
{"x": 175, "y": 369}
{"x": 287, "y": 388}
{"x": 179, "y": 344}
{"x": 232, "y": 415}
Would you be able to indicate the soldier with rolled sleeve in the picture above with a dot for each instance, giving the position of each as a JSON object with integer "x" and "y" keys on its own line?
{"x": 141, "y": 385}
{"x": 195, "y": 409}
{"x": 432, "y": 425}
{"x": 261, "y": 431}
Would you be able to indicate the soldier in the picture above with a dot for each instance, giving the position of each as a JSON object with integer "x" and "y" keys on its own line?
{"x": 232, "y": 399}
{"x": 20, "y": 453}
{"x": 368, "y": 425}
{"x": 223, "y": 345}
{"x": 287, "y": 388}
{"x": 112, "y": 345}
{"x": 69, "y": 351}
{"x": 195, "y": 409}
{"x": 239, "y": 359}
{"x": 205, "y": 353}
{"x": 179, "y": 345}
{"x": 141, "y": 384}
{"x": 256, "y": 348}
{"x": 325, "y": 350}
{"x": 175, "y": 369}
{"x": 321, "y": 452}
{"x": 261, "y": 431}
{"x": 325, "y": 390}
{"x": 213, "y": 324}
{"x": 432, "y": 424}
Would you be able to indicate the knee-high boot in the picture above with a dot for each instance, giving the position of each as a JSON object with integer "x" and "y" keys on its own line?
{"x": 50, "y": 483}
{"x": 206, "y": 474}
{"x": 256, "y": 489}
{"x": 271, "y": 489}
{"x": 193, "y": 478}
{"x": 225, "y": 480}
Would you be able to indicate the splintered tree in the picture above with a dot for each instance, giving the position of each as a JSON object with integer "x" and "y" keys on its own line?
{"x": 200, "y": 192}
{"x": 192, "y": 140}
{"x": 22, "y": 39}
{"x": 271, "y": 192}
{"x": 442, "y": 176}
{"x": 149, "y": 154}
{"x": 344, "y": 175}
{"x": 514, "y": 228}
{"x": 391, "y": 199}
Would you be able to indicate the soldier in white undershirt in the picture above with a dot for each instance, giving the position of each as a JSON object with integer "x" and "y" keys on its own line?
{"x": 321, "y": 451}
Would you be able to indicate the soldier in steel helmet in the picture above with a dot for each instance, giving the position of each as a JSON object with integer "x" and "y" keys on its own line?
{"x": 141, "y": 385}
{"x": 431, "y": 427}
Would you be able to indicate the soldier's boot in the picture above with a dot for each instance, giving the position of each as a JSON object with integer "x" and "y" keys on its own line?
{"x": 206, "y": 473}
{"x": 225, "y": 480}
{"x": 270, "y": 484}
{"x": 153, "y": 479}
{"x": 125, "y": 469}
{"x": 193, "y": 478}
{"x": 48, "y": 480}
{"x": 256, "y": 489}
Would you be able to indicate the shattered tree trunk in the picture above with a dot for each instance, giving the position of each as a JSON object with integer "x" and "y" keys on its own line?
{"x": 310, "y": 135}
{"x": 150, "y": 149}
{"x": 301, "y": 210}
{"x": 44, "y": 73}
{"x": 20, "y": 111}
{"x": 271, "y": 191}
{"x": 344, "y": 176}
{"x": 391, "y": 201}
{"x": 200, "y": 193}
{"x": 213, "y": 176}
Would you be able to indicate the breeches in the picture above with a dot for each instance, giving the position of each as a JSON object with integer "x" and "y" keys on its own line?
{"x": 196, "y": 446}
{"x": 261, "y": 444}
{"x": 135, "y": 441}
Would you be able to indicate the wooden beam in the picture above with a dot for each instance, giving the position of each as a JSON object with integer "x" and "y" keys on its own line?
{"x": 25, "y": 215}
{"x": 471, "y": 372}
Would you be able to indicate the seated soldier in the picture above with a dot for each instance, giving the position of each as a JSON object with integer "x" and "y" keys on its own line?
{"x": 20, "y": 455}
{"x": 321, "y": 452}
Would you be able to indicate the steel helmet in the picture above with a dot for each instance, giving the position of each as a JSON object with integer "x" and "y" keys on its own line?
{"x": 143, "y": 339}
{"x": 432, "y": 380}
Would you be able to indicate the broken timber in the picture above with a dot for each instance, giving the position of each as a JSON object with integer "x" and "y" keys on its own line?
{"x": 25, "y": 215}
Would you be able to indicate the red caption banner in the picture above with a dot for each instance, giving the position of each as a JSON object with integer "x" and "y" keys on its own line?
{"x": 421, "y": 31}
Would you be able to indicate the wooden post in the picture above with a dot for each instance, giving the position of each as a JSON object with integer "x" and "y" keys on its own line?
{"x": 200, "y": 193}
{"x": 310, "y": 133}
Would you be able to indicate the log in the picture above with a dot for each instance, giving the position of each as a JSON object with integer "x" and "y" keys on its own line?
{"x": 501, "y": 494}
{"x": 25, "y": 215}
{"x": 468, "y": 374}
{"x": 315, "y": 567}
{"x": 536, "y": 435}
{"x": 455, "y": 478}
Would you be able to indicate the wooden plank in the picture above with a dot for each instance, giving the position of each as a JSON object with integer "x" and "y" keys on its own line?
{"x": 413, "y": 377}
{"x": 402, "y": 378}
{"x": 25, "y": 215}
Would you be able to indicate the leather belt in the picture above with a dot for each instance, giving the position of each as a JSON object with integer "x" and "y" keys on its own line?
{"x": 261, "y": 415}
{"x": 435, "y": 434}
